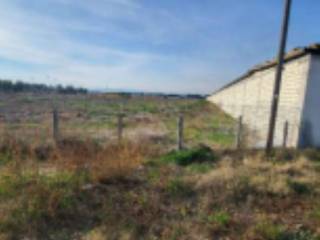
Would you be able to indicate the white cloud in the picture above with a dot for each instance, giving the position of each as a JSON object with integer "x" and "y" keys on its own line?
{"x": 43, "y": 41}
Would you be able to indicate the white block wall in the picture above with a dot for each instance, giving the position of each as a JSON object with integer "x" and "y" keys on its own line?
{"x": 251, "y": 98}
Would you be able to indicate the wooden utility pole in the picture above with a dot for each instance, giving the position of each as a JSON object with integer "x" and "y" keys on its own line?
{"x": 239, "y": 133}
{"x": 120, "y": 127}
{"x": 55, "y": 123}
{"x": 180, "y": 133}
{"x": 277, "y": 86}
{"x": 285, "y": 134}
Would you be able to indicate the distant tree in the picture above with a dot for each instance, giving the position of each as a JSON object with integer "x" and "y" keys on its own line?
{"x": 19, "y": 86}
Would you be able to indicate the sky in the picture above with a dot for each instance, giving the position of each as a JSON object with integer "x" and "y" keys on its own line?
{"x": 173, "y": 46}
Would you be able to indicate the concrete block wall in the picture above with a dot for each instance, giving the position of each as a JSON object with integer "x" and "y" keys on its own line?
{"x": 251, "y": 98}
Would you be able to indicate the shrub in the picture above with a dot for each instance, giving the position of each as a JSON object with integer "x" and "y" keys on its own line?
{"x": 189, "y": 156}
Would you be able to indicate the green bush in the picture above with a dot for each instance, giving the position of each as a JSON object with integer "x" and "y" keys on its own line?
{"x": 189, "y": 156}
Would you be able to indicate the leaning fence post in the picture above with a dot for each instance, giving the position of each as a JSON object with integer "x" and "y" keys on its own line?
{"x": 239, "y": 133}
{"x": 285, "y": 134}
{"x": 120, "y": 127}
{"x": 180, "y": 133}
{"x": 55, "y": 121}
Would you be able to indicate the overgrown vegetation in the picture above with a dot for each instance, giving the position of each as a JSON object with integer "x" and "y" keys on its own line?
{"x": 83, "y": 189}
{"x": 90, "y": 186}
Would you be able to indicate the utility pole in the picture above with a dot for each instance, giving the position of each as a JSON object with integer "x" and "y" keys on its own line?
{"x": 277, "y": 86}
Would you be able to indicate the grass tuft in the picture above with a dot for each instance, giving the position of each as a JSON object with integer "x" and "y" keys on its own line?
{"x": 221, "y": 218}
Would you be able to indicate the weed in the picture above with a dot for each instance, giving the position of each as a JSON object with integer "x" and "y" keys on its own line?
{"x": 269, "y": 230}
{"x": 200, "y": 167}
{"x": 178, "y": 189}
{"x": 222, "y": 219}
{"x": 241, "y": 188}
{"x": 177, "y": 233}
{"x": 154, "y": 175}
{"x": 315, "y": 213}
{"x": 5, "y": 158}
{"x": 298, "y": 235}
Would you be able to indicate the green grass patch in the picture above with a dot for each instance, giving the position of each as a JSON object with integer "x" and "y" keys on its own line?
{"x": 223, "y": 139}
{"x": 200, "y": 167}
{"x": 221, "y": 218}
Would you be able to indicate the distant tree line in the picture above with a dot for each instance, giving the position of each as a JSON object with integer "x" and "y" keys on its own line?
{"x": 19, "y": 86}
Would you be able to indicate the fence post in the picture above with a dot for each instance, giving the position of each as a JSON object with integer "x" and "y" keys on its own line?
{"x": 180, "y": 133}
{"x": 239, "y": 133}
{"x": 120, "y": 127}
{"x": 285, "y": 134}
{"x": 55, "y": 122}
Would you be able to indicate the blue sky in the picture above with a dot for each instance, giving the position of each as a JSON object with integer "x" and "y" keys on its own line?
{"x": 169, "y": 45}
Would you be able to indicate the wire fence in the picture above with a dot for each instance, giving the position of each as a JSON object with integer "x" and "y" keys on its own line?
{"x": 172, "y": 129}
{"x": 237, "y": 127}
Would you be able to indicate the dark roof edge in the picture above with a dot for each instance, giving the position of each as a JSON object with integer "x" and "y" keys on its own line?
{"x": 292, "y": 55}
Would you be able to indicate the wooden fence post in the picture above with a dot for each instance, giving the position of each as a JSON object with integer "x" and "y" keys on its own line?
{"x": 120, "y": 127}
{"x": 55, "y": 123}
{"x": 285, "y": 134}
{"x": 180, "y": 133}
{"x": 239, "y": 133}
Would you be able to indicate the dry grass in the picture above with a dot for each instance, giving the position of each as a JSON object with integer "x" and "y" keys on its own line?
{"x": 82, "y": 189}
{"x": 264, "y": 176}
